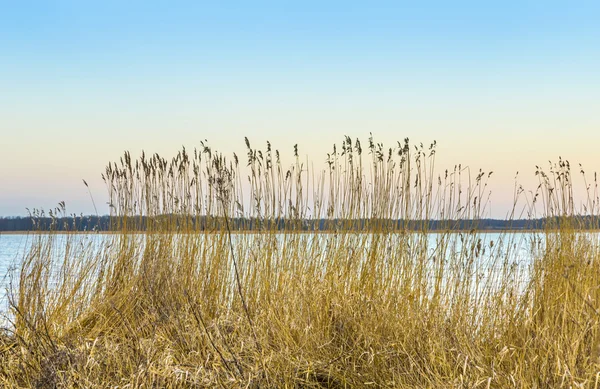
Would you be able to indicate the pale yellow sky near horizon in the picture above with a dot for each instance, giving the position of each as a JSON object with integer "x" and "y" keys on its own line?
{"x": 41, "y": 170}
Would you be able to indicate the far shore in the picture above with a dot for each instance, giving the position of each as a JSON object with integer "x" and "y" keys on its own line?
{"x": 216, "y": 232}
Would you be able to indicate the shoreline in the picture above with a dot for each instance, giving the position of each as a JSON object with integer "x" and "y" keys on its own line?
{"x": 217, "y": 232}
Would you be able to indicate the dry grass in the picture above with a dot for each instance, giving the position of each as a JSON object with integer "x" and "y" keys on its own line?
{"x": 183, "y": 307}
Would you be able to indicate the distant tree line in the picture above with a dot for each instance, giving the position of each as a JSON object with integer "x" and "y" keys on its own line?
{"x": 70, "y": 223}
{"x": 204, "y": 223}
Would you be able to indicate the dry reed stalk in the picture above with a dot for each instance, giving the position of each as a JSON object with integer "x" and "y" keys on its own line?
{"x": 368, "y": 297}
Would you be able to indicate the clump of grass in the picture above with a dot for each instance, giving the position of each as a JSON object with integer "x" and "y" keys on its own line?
{"x": 341, "y": 282}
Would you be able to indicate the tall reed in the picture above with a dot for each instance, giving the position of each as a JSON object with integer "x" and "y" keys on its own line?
{"x": 225, "y": 273}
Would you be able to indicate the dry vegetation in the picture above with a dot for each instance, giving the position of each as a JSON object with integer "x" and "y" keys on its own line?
{"x": 181, "y": 307}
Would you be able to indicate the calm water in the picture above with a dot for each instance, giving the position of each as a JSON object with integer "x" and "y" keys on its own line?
{"x": 512, "y": 248}
{"x": 14, "y": 247}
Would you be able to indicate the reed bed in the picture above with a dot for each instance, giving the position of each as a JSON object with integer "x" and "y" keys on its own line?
{"x": 219, "y": 276}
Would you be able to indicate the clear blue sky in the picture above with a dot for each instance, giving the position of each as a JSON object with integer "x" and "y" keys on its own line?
{"x": 501, "y": 86}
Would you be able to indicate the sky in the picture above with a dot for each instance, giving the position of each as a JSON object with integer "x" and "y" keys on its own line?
{"x": 502, "y": 87}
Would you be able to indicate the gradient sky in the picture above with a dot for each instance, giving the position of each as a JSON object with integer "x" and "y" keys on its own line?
{"x": 501, "y": 87}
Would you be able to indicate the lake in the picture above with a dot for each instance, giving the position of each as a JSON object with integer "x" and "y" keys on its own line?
{"x": 514, "y": 247}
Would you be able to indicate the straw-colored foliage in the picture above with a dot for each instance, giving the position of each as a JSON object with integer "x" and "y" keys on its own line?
{"x": 370, "y": 298}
